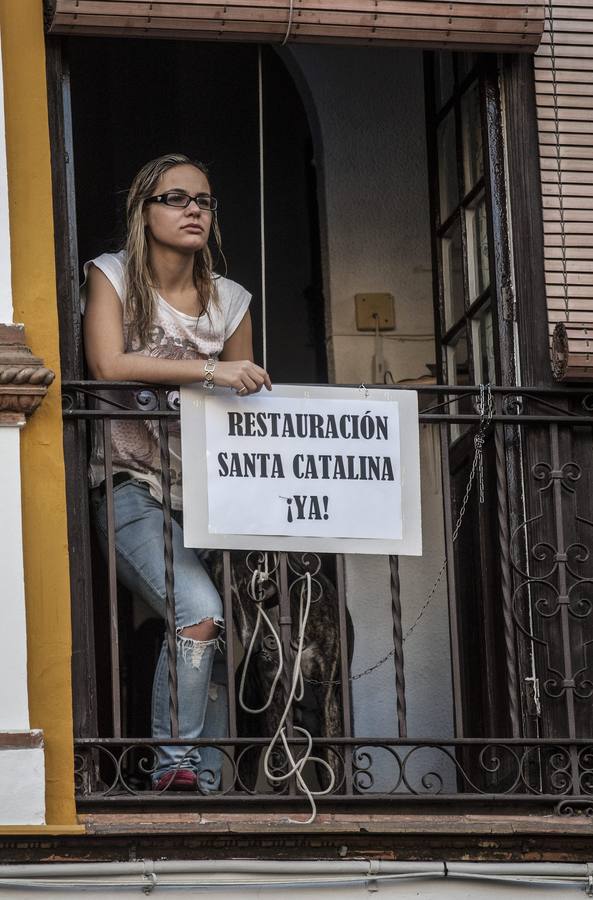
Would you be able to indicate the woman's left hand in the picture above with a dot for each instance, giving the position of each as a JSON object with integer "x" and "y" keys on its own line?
{"x": 242, "y": 375}
{"x": 236, "y": 368}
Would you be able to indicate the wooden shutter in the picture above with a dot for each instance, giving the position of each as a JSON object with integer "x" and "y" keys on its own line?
{"x": 468, "y": 24}
{"x": 564, "y": 84}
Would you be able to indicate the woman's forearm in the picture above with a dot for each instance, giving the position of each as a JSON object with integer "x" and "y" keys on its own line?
{"x": 242, "y": 375}
{"x": 154, "y": 369}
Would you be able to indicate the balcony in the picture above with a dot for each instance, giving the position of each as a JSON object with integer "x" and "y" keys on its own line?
{"x": 517, "y": 589}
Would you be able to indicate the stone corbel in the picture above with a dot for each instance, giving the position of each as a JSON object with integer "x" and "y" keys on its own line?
{"x": 24, "y": 379}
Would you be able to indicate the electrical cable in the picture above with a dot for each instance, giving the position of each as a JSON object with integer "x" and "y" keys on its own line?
{"x": 262, "y": 219}
{"x": 289, "y": 25}
{"x": 150, "y": 884}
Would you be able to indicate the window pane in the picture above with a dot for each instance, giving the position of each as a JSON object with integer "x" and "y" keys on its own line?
{"x": 458, "y": 373}
{"x": 443, "y": 72}
{"x": 453, "y": 275}
{"x": 477, "y": 248}
{"x": 483, "y": 347}
{"x": 448, "y": 184}
{"x": 473, "y": 163}
{"x": 457, "y": 357}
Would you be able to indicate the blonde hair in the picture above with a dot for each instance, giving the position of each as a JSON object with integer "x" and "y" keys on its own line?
{"x": 140, "y": 290}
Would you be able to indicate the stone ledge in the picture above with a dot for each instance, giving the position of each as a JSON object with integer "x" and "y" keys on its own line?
{"x": 11, "y": 420}
{"x": 430, "y": 824}
{"x": 49, "y": 830}
{"x": 20, "y": 740}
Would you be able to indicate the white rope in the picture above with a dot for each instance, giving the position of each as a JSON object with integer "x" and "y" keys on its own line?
{"x": 295, "y": 766}
{"x": 262, "y": 221}
{"x": 296, "y": 691}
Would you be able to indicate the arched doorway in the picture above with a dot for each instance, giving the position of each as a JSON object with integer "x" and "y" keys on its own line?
{"x": 133, "y": 100}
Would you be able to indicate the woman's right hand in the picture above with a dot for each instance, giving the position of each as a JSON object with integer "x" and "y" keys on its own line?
{"x": 242, "y": 375}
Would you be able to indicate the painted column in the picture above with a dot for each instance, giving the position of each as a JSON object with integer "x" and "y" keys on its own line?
{"x": 43, "y": 490}
{"x": 5, "y": 284}
{"x": 23, "y": 382}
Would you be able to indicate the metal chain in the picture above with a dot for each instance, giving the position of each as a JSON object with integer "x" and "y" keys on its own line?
{"x": 486, "y": 411}
{"x": 558, "y": 160}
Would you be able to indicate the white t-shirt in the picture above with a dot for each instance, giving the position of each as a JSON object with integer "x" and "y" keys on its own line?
{"x": 175, "y": 335}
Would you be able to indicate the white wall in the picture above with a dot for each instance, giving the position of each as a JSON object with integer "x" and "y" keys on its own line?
{"x": 14, "y": 706}
{"x": 22, "y": 783}
{"x": 370, "y": 150}
{"x": 370, "y": 108}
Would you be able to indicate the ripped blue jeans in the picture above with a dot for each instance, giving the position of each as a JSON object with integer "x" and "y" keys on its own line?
{"x": 202, "y": 705}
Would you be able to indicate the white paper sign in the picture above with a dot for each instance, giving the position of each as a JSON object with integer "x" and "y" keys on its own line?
{"x": 289, "y": 466}
{"x": 321, "y": 468}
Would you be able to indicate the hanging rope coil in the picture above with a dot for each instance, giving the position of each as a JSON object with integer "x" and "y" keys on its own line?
{"x": 295, "y": 767}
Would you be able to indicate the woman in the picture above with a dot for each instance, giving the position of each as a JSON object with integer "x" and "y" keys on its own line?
{"x": 156, "y": 312}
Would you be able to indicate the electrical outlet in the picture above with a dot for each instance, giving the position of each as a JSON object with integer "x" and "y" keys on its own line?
{"x": 373, "y": 308}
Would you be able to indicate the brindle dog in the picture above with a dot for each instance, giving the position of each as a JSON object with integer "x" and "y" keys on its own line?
{"x": 319, "y": 710}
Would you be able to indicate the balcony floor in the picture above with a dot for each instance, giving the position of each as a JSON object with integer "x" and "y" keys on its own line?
{"x": 405, "y": 836}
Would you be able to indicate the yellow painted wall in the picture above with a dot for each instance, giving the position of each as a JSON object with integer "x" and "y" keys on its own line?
{"x": 34, "y": 297}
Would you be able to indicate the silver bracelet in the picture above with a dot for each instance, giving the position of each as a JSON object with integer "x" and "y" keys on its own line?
{"x": 209, "y": 366}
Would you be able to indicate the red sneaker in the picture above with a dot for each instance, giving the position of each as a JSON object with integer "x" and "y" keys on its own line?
{"x": 177, "y": 780}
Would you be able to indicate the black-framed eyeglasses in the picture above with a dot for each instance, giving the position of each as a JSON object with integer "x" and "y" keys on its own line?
{"x": 181, "y": 200}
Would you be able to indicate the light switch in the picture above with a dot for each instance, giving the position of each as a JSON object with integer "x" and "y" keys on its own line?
{"x": 373, "y": 308}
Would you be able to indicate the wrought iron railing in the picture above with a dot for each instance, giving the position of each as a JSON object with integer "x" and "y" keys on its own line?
{"x": 532, "y": 742}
